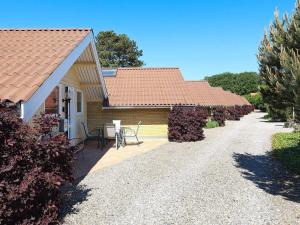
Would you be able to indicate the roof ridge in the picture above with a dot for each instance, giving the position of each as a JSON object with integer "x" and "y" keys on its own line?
{"x": 148, "y": 68}
{"x": 196, "y": 81}
{"x": 45, "y": 29}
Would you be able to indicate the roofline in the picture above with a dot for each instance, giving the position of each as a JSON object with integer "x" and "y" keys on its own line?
{"x": 33, "y": 103}
{"x": 97, "y": 60}
{"x": 196, "y": 81}
{"x": 136, "y": 107}
{"x": 160, "y": 106}
{"x": 45, "y": 29}
{"x": 147, "y": 68}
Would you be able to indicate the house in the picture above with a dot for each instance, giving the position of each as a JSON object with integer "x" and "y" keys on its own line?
{"x": 147, "y": 95}
{"x": 58, "y": 71}
{"x": 140, "y": 94}
{"x": 51, "y": 70}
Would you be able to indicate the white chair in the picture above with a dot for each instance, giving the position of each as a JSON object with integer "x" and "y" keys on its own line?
{"x": 128, "y": 132}
{"x": 111, "y": 133}
{"x": 117, "y": 124}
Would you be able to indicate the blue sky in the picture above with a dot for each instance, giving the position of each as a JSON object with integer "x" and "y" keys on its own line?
{"x": 200, "y": 37}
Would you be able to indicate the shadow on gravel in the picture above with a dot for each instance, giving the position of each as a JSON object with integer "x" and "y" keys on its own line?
{"x": 72, "y": 195}
{"x": 269, "y": 175}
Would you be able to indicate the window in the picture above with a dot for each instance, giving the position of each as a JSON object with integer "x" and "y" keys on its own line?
{"x": 79, "y": 101}
{"x": 51, "y": 102}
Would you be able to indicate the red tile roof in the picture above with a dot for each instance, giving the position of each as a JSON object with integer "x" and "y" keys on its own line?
{"x": 163, "y": 87}
{"x": 29, "y": 56}
{"x": 146, "y": 87}
{"x": 201, "y": 93}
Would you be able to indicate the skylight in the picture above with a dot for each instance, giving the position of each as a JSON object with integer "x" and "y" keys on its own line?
{"x": 109, "y": 72}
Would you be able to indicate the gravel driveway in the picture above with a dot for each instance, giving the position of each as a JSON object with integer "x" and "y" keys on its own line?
{"x": 228, "y": 178}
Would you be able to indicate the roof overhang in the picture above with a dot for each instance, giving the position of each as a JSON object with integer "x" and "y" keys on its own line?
{"x": 33, "y": 103}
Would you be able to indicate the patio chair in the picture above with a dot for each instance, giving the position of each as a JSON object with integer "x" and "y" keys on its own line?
{"x": 117, "y": 124}
{"x": 110, "y": 133}
{"x": 90, "y": 135}
{"x": 129, "y": 132}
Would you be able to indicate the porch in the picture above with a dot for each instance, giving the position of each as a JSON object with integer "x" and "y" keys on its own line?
{"x": 92, "y": 158}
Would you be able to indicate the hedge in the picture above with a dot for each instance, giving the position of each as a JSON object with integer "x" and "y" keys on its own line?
{"x": 33, "y": 167}
{"x": 185, "y": 124}
{"x": 218, "y": 114}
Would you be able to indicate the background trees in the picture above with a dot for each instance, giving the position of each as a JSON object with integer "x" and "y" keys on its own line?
{"x": 279, "y": 66}
{"x": 117, "y": 50}
{"x": 239, "y": 83}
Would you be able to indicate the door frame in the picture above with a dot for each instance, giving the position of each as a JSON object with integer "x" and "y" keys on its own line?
{"x": 70, "y": 122}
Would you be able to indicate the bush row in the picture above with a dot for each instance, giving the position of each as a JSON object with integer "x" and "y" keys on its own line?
{"x": 33, "y": 167}
{"x": 218, "y": 114}
{"x": 186, "y": 124}
{"x": 236, "y": 112}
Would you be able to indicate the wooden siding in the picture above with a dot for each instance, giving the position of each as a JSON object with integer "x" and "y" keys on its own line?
{"x": 71, "y": 79}
{"x": 154, "y": 121}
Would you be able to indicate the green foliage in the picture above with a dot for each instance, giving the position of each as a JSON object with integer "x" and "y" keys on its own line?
{"x": 278, "y": 114}
{"x": 279, "y": 65}
{"x": 212, "y": 124}
{"x": 256, "y": 100}
{"x": 286, "y": 148}
{"x": 117, "y": 50}
{"x": 239, "y": 83}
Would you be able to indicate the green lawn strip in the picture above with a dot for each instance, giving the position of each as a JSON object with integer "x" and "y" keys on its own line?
{"x": 286, "y": 148}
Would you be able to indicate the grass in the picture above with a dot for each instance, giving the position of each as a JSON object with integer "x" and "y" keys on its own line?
{"x": 211, "y": 124}
{"x": 286, "y": 148}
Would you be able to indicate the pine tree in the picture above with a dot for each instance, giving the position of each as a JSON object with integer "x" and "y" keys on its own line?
{"x": 279, "y": 63}
{"x": 290, "y": 61}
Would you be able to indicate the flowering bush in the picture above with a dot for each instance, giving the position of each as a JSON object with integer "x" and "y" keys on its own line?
{"x": 218, "y": 114}
{"x": 186, "y": 124}
{"x": 33, "y": 167}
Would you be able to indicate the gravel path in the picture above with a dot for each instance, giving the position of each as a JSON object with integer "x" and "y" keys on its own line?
{"x": 228, "y": 178}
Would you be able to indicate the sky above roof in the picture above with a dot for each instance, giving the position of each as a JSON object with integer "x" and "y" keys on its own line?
{"x": 200, "y": 37}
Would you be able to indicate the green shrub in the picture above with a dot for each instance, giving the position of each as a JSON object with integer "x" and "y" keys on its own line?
{"x": 212, "y": 124}
{"x": 256, "y": 100}
{"x": 286, "y": 148}
{"x": 185, "y": 124}
{"x": 279, "y": 114}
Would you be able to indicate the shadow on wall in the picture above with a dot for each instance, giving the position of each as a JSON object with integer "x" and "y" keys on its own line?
{"x": 269, "y": 175}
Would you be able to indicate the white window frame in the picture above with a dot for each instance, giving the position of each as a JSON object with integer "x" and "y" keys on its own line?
{"x": 79, "y": 113}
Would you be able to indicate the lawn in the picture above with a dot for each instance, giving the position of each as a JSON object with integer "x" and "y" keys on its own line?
{"x": 286, "y": 148}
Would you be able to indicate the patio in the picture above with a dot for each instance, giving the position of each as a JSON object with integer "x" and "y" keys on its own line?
{"x": 93, "y": 159}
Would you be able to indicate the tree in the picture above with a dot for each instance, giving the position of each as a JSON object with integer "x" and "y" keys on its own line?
{"x": 256, "y": 100}
{"x": 117, "y": 50}
{"x": 239, "y": 83}
{"x": 279, "y": 66}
